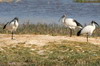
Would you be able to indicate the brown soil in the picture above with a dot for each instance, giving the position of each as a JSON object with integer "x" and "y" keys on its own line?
{"x": 40, "y": 40}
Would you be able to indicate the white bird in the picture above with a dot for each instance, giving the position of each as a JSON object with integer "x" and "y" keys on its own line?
{"x": 70, "y": 23}
{"x": 88, "y": 29}
{"x": 12, "y": 25}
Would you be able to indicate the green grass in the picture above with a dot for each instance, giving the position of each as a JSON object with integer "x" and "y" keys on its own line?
{"x": 51, "y": 29}
{"x": 87, "y": 1}
{"x": 64, "y": 53}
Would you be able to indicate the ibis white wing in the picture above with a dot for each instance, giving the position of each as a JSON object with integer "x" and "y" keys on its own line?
{"x": 69, "y": 23}
{"x": 88, "y": 30}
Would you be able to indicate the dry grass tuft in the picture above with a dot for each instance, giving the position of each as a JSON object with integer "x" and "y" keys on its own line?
{"x": 64, "y": 53}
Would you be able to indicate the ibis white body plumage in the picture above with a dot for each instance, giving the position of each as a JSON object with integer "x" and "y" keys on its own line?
{"x": 12, "y": 25}
{"x": 88, "y": 29}
{"x": 70, "y": 23}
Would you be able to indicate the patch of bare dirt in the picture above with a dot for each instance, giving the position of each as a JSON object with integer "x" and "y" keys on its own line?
{"x": 40, "y": 40}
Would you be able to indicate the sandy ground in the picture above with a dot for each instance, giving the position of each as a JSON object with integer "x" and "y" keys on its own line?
{"x": 40, "y": 40}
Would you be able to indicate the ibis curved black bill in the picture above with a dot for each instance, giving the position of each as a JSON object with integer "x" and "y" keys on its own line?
{"x": 95, "y": 23}
{"x": 62, "y": 17}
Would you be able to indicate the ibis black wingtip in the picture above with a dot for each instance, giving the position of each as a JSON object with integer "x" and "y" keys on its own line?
{"x": 79, "y": 33}
{"x": 78, "y": 24}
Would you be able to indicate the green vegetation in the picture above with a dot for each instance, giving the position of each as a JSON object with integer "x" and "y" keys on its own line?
{"x": 64, "y": 53}
{"x": 9, "y": 1}
{"x": 51, "y": 29}
{"x": 87, "y": 1}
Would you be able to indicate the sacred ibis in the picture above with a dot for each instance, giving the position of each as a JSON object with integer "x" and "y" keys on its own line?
{"x": 88, "y": 29}
{"x": 12, "y": 25}
{"x": 70, "y": 23}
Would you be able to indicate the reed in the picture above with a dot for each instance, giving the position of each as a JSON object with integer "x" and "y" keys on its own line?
{"x": 51, "y": 29}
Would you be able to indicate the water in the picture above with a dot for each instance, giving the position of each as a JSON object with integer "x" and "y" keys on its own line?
{"x": 49, "y": 11}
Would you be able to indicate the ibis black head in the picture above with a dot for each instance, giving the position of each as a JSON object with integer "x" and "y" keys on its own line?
{"x": 16, "y": 18}
{"x": 94, "y": 23}
{"x": 63, "y": 16}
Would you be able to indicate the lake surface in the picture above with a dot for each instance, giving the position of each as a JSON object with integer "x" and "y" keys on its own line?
{"x": 49, "y": 11}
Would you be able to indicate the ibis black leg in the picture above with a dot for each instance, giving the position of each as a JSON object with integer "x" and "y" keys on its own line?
{"x": 87, "y": 37}
{"x": 12, "y": 35}
{"x": 70, "y": 32}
